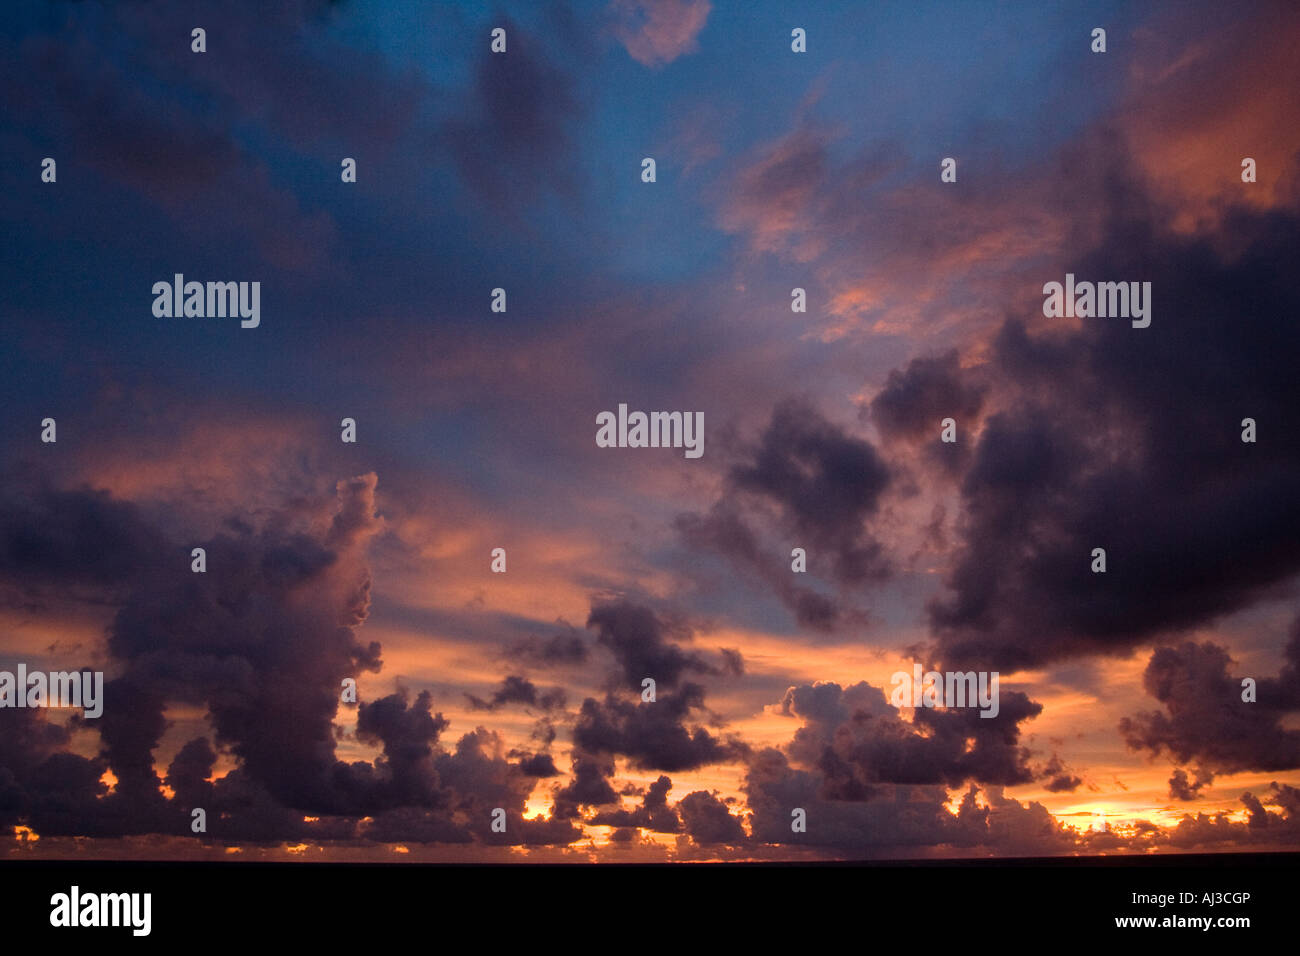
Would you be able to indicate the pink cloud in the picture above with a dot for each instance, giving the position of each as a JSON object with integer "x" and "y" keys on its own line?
{"x": 656, "y": 32}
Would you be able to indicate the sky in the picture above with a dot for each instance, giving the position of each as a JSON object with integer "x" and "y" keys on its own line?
{"x": 1122, "y": 724}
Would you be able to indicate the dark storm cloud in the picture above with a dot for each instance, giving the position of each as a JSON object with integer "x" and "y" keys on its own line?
{"x": 915, "y": 400}
{"x": 189, "y": 771}
{"x": 1205, "y": 719}
{"x": 663, "y": 734}
{"x": 542, "y": 831}
{"x": 130, "y": 728}
{"x": 707, "y": 820}
{"x": 1058, "y": 779}
{"x": 1262, "y": 826}
{"x": 475, "y": 781}
{"x": 1181, "y": 787}
{"x": 415, "y": 825}
{"x": 654, "y": 735}
{"x": 263, "y": 639}
{"x": 27, "y": 741}
{"x": 641, "y": 642}
{"x": 899, "y": 819}
{"x": 519, "y": 690}
{"x": 1281, "y": 694}
{"x": 56, "y": 792}
{"x": 408, "y": 735}
{"x": 203, "y": 637}
{"x": 825, "y": 485}
{"x": 653, "y": 814}
{"x": 481, "y": 780}
{"x": 857, "y": 741}
{"x": 589, "y": 785}
{"x": 55, "y": 539}
{"x": 537, "y": 765}
{"x": 63, "y": 791}
{"x": 1130, "y": 440}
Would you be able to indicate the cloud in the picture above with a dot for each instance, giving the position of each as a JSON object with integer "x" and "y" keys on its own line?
{"x": 653, "y": 736}
{"x": 951, "y": 257}
{"x": 1058, "y": 779}
{"x": 656, "y": 32}
{"x": 639, "y": 641}
{"x": 1204, "y": 718}
{"x": 54, "y": 538}
{"x": 568, "y": 647}
{"x": 915, "y": 401}
{"x": 538, "y": 765}
{"x": 262, "y": 641}
{"x": 857, "y": 741}
{"x": 1262, "y": 827}
{"x": 901, "y": 821}
{"x": 519, "y": 690}
{"x": 589, "y": 785}
{"x": 825, "y": 482}
{"x": 816, "y": 485}
{"x": 773, "y": 197}
{"x": 654, "y": 813}
{"x": 408, "y": 732}
{"x": 1130, "y": 440}
{"x": 1182, "y": 788}
{"x": 1196, "y": 101}
{"x": 512, "y": 141}
{"x": 137, "y": 134}
{"x": 203, "y": 638}
{"x": 707, "y": 820}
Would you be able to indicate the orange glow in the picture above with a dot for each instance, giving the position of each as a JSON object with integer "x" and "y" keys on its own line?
{"x": 109, "y": 780}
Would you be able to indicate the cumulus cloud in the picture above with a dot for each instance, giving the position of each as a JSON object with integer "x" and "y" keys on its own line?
{"x": 707, "y": 820}
{"x": 654, "y": 736}
{"x": 653, "y": 814}
{"x": 1130, "y": 440}
{"x": 262, "y": 640}
{"x": 897, "y": 821}
{"x": 1205, "y": 719}
{"x": 857, "y": 740}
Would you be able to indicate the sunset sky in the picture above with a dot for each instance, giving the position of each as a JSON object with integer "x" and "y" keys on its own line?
{"x": 1120, "y": 693}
